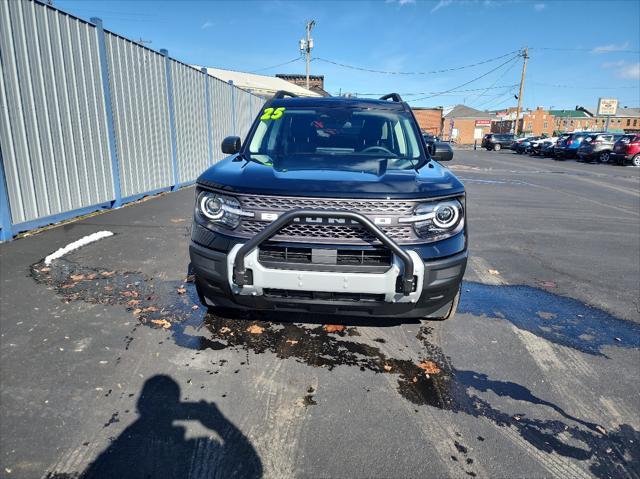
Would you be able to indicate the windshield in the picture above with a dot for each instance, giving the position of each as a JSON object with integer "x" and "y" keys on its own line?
{"x": 335, "y": 139}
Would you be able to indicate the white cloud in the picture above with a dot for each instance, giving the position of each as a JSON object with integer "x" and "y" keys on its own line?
{"x": 406, "y": 2}
{"x": 538, "y": 7}
{"x": 630, "y": 72}
{"x": 612, "y": 47}
{"x": 207, "y": 24}
{"x": 441, "y": 4}
{"x": 473, "y": 3}
{"x": 622, "y": 69}
{"x": 615, "y": 64}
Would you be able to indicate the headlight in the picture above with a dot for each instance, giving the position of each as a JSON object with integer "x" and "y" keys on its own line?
{"x": 438, "y": 220}
{"x": 219, "y": 209}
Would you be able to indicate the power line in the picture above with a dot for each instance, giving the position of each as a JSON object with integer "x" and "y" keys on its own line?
{"x": 507, "y": 70}
{"x": 590, "y": 50}
{"x": 371, "y": 70}
{"x": 467, "y": 82}
{"x": 497, "y": 99}
{"x": 585, "y": 87}
{"x": 433, "y": 92}
{"x": 276, "y": 66}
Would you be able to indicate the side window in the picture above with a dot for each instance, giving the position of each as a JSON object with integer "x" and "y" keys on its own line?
{"x": 399, "y": 134}
{"x": 258, "y": 136}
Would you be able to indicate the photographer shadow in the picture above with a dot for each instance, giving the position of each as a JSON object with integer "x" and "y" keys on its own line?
{"x": 153, "y": 447}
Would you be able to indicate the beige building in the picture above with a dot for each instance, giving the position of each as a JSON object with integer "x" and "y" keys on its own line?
{"x": 261, "y": 85}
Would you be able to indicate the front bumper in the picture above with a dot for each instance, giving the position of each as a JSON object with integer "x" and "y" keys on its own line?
{"x": 410, "y": 287}
{"x": 440, "y": 283}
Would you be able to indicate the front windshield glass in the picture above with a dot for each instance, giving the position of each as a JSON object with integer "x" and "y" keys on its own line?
{"x": 335, "y": 139}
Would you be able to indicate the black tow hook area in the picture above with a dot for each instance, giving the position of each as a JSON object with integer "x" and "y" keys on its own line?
{"x": 241, "y": 278}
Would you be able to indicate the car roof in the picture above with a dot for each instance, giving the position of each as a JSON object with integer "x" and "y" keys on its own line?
{"x": 338, "y": 102}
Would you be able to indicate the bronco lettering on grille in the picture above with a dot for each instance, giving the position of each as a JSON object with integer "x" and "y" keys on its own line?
{"x": 325, "y": 221}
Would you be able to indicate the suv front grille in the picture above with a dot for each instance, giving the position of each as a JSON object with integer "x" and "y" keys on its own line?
{"x": 384, "y": 213}
{"x": 328, "y": 233}
{"x": 286, "y": 203}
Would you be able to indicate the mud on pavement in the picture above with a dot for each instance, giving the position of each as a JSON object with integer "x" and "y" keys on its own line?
{"x": 431, "y": 381}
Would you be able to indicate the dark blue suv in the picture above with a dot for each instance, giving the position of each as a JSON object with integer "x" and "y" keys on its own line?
{"x": 331, "y": 205}
{"x": 568, "y": 147}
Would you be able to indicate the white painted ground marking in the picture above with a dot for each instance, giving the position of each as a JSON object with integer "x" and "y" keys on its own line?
{"x": 481, "y": 268}
{"x": 77, "y": 244}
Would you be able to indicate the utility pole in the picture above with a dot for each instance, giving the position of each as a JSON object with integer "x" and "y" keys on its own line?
{"x": 525, "y": 55}
{"x": 306, "y": 45}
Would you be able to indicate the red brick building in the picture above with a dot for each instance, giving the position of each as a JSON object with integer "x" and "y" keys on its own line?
{"x": 531, "y": 122}
{"x": 430, "y": 120}
{"x": 464, "y": 124}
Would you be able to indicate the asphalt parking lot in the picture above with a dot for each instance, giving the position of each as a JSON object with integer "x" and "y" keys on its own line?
{"x": 109, "y": 368}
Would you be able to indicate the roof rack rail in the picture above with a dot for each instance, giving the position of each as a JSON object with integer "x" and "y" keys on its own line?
{"x": 392, "y": 96}
{"x": 283, "y": 93}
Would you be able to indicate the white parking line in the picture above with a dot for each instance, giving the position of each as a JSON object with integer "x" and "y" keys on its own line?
{"x": 77, "y": 244}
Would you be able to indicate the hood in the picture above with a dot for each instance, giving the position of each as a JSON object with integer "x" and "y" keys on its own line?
{"x": 234, "y": 174}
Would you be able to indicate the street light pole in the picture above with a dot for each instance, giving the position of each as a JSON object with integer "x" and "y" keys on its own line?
{"x": 525, "y": 55}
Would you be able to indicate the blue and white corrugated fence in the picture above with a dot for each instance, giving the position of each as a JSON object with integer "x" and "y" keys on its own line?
{"x": 91, "y": 120}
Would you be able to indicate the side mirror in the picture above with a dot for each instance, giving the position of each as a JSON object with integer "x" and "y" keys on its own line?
{"x": 440, "y": 154}
{"x": 231, "y": 145}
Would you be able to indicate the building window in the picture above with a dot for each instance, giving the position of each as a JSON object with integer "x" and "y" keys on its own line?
{"x": 635, "y": 122}
{"x": 628, "y": 121}
{"x": 545, "y": 125}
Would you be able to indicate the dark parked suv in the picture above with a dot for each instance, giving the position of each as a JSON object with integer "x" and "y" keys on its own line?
{"x": 495, "y": 141}
{"x": 568, "y": 148}
{"x": 597, "y": 146}
{"x": 333, "y": 206}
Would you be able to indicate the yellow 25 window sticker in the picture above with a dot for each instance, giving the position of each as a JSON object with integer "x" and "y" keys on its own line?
{"x": 272, "y": 113}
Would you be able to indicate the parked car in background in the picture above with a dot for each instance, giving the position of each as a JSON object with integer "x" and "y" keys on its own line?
{"x": 547, "y": 148}
{"x": 497, "y": 141}
{"x": 568, "y": 148}
{"x": 439, "y": 150}
{"x": 597, "y": 146}
{"x": 627, "y": 150}
{"x": 535, "y": 148}
{"x": 524, "y": 145}
{"x": 516, "y": 143}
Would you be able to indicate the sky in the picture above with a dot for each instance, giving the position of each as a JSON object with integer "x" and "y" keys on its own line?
{"x": 579, "y": 50}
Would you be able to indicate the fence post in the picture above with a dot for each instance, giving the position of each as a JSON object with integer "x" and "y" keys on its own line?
{"x": 172, "y": 119}
{"x": 233, "y": 106}
{"x": 111, "y": 129}
{"x": 207, "y": 99}
{"x": 6, "y": 233}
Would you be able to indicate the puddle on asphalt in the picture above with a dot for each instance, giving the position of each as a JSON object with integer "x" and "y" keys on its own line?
{"x": 558, "y": 319}
{"x": 174, "y": 307}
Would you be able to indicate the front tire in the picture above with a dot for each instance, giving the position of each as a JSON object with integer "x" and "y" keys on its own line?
{"x": 604, "y": 157}
{"x": 497, "y": 147}
{"x": 635, "y": 161}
